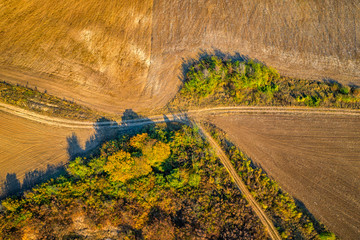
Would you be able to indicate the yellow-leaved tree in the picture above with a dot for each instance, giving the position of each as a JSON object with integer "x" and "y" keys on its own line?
{"x": 156, "y": 153}
{"x": 122, "y": 166}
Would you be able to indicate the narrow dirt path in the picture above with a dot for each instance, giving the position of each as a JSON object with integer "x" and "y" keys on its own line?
{"x": 273, "y": 233}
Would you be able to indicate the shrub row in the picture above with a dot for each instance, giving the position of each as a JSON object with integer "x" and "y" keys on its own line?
{"x": 214, "y": 81}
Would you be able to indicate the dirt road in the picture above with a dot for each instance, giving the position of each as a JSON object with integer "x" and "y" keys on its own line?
{"x": 56, "y": 137}
{"x": 273, "y": 233}
{"x": 59, "y": 122}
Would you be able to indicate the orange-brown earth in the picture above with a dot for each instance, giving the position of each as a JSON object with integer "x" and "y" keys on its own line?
{"x": 316, "y": 158}
{"x": 113, "y": 55}
{"x": 95, "y": 52}
{"x": 26, "y": 146}
{"x": 304, "y": 39}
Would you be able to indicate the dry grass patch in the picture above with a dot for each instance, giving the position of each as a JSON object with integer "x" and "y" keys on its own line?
{"x": 44, "y": 103}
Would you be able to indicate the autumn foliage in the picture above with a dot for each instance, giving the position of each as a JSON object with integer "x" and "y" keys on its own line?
{"x": 163, "y": 183}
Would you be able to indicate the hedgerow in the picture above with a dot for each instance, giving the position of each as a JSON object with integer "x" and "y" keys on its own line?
{"x": 214, "y": 81}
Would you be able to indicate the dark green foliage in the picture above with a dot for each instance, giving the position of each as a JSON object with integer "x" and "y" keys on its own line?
{"x": 309, "y": 101}
{"x": 184, "y": 193}
{"x": 213, "y": 81}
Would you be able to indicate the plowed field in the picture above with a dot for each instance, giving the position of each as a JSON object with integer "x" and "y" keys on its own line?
{"x": 26, "y": 146}
{"x": 315, "y": 158}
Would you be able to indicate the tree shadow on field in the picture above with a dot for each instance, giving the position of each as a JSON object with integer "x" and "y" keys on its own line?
{"x": 12, "y": 185}
{"x": 104, "y": 130}
{"x": 36, "y": 176}
{"x": 317, "y": 225}
{"x": 331, "y": 81}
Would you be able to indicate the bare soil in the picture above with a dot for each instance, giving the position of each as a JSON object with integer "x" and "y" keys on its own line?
{"x": 129, "y": 54}
{"x": 26, "y": 146}
{"x": 303, "y": 39}
{"x": 316, "y": 158}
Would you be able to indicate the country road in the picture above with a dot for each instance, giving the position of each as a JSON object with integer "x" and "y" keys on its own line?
{"x": 177, "y": 116}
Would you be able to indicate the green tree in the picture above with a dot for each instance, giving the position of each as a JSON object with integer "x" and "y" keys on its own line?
{"x": 78, "y": 169}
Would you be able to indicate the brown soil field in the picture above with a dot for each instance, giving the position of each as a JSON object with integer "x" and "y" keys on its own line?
{"x": 304, "y": 39}
{"x": 96, "y": 52}
{"x": 114, "y": 55}
{"x": 316, "y": 158}
{"x": 27, "y": 146}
